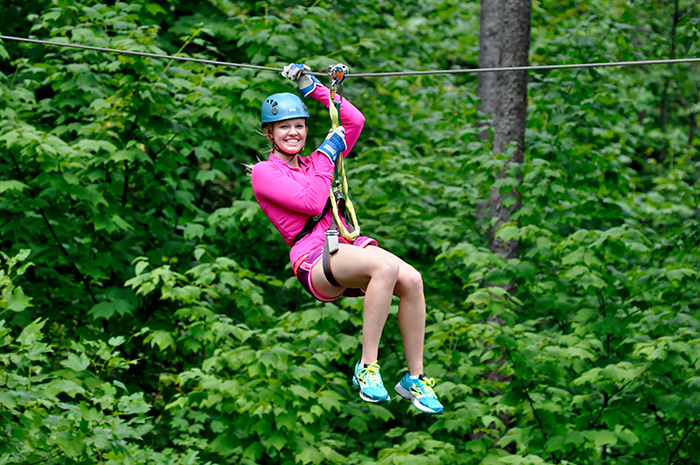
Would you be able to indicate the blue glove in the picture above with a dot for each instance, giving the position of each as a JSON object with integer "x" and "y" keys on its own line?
{"x": 301, "y": 74}
{"x": 334, "y": 144}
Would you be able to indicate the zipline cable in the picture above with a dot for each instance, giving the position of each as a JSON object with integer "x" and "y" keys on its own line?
{"x": 363, "y": 75}
{"x": 530, "y": 68}
{"x": 142, "y": 54}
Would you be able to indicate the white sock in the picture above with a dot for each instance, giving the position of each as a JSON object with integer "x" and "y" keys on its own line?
{"x": 414, "y": 377}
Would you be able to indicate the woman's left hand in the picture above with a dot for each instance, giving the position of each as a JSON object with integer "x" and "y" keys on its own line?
{"x": 301, "y": 74}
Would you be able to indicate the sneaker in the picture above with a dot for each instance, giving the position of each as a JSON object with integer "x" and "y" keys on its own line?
{"x": 369, "y": 381}
{"x": 420, "y": 392}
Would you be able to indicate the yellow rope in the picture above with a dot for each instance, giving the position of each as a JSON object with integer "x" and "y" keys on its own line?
{"x": 340, "y": 164}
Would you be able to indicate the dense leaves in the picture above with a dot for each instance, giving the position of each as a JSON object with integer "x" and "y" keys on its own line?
{"x": 148, "y": 314}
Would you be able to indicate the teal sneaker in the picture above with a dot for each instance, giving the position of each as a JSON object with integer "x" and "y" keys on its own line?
{"x": 368, "y": 380}
{"x": 420, "y": 392}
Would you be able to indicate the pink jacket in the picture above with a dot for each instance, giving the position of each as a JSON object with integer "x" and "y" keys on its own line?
{"x": 288, "y": 196}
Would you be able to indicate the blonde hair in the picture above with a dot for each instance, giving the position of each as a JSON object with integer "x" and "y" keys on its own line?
{"x": 266, "y": 132}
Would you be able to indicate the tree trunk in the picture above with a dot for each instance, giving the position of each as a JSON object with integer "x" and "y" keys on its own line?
{"x": 489, "y": 29}
{"x": 692, "y": 126}
{"x": 504, "y": 41}
{"x": 665, "y": 99}
{"x": 489, "y": 55}
{"x": 510, "y": 115}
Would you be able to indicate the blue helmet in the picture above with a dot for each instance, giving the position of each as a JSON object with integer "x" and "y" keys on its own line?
{"x": 279, "y": 107}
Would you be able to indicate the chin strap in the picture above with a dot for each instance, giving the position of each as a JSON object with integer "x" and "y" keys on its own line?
{"x": 279, "y": 149}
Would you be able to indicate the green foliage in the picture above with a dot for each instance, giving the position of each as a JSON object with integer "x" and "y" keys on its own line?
{"x": 63, "y": 402}
{"x": 147, "y": 314}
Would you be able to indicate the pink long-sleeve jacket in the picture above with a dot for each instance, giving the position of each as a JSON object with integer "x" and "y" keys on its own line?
{"x": 288, "y": 196}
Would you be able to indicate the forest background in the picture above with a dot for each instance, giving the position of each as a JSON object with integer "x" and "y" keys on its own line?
{"x": 148, "y": 314}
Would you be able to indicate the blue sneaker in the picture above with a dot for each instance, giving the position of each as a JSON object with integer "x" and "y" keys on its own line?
{"x": 420, "y": 392}
{"x": 369, "y": 381}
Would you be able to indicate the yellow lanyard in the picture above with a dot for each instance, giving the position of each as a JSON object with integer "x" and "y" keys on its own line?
{"x": 334, "y": 109}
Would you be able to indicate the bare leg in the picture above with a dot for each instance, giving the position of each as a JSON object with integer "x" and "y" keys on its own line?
{"x": 382, "y": 275}
{"x": 362, "y": 268}
{"x": 412, "y": 313}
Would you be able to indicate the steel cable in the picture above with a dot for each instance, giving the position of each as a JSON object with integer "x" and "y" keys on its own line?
{"x": 362, "y": 75}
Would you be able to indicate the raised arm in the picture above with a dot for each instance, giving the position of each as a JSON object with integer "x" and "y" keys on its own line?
{"x": 273, "y": 184}
{"x": 350, "y": 117}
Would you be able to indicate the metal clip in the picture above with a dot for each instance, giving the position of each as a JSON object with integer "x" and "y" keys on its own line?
{"x": 336, "y": 75}
{"x": 332, "y": 240}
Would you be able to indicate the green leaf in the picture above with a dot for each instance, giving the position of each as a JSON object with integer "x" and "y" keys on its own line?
{"x": 121, "y": 224}
{"x": 678, "y": 276}
{"x": 32, "y": 333}
{"x": 12, "y": 185}
{"x": 193, "y": 231}
{"x": 107, "y": 309}
{"x": 203, "y": 154}
{"x": 116, "y": 341}
{"x": 162, "y": 339}
{"x": 301, "y": 391}
{"x": 17, "y": 300}
{"x": 76, "y": 362}
{"x": 133, "y": 404}
{"x": 488, "y": 420}
{"x": 382, "y": 413}
{"x": 155, "y": 9}
{"x": 330, "y": 400}
{"x": 274, "y": 440}
{"x": 348, "y": 343}
{"x": 358, "y": 424}
{"x": 204, "y": 176}
{"x": 601, "y": 438}
{"x": 8, "y": 400}
{"x": 59, "y": 386}
{"x": 508, "y": 232}
{"x": 310, "y": 454}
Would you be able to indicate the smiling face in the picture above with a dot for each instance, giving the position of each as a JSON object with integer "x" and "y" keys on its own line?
{"x": 290, "y": 135}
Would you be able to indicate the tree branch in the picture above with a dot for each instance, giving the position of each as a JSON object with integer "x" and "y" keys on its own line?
{"x": 660, "y": 421}
{"x": 81, "y": 277}
{"x": 680, "y": 443}
{"x": 527, "y": 394}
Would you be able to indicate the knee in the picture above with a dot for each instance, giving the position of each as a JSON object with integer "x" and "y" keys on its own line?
{"x": 410, "y": 282}
{"x": 387, "y": 270}
{"x": 414, "y": 279}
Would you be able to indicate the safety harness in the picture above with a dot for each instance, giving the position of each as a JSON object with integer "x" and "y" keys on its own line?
{"x": 339, "y": 202}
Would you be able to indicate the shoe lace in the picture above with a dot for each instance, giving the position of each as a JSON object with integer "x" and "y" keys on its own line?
{"x": 370, "y": 375}
{"x": 424, "y": 386}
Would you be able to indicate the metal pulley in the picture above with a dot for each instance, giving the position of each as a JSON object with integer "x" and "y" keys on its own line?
{"x": 336, "y": 75}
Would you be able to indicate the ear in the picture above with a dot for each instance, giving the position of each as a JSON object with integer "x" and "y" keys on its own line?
{"x": 269, "y": 131}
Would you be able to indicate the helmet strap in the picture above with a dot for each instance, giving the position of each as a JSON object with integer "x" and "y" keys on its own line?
{"x": 277, "y": 148}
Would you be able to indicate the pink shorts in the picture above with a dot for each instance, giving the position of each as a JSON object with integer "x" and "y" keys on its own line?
{"x": 303, "y": 271}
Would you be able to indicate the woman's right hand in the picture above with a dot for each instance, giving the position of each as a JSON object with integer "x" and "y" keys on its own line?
{"x": 334, "y": 144}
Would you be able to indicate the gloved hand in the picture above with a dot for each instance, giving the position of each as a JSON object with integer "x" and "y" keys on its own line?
{"x": 334, "y": 144}
{"x": 301, "y": 74}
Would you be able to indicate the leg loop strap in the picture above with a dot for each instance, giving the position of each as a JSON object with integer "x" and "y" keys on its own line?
{"x": 330, "y": 246}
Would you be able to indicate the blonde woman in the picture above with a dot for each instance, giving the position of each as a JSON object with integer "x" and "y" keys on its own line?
{"x": 290, "y": 189}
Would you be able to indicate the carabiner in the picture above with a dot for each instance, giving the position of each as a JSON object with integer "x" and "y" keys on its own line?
{"x": 336, "y": 75}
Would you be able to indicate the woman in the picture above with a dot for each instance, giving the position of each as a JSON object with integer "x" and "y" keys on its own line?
{"x": 290, "y": 189}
